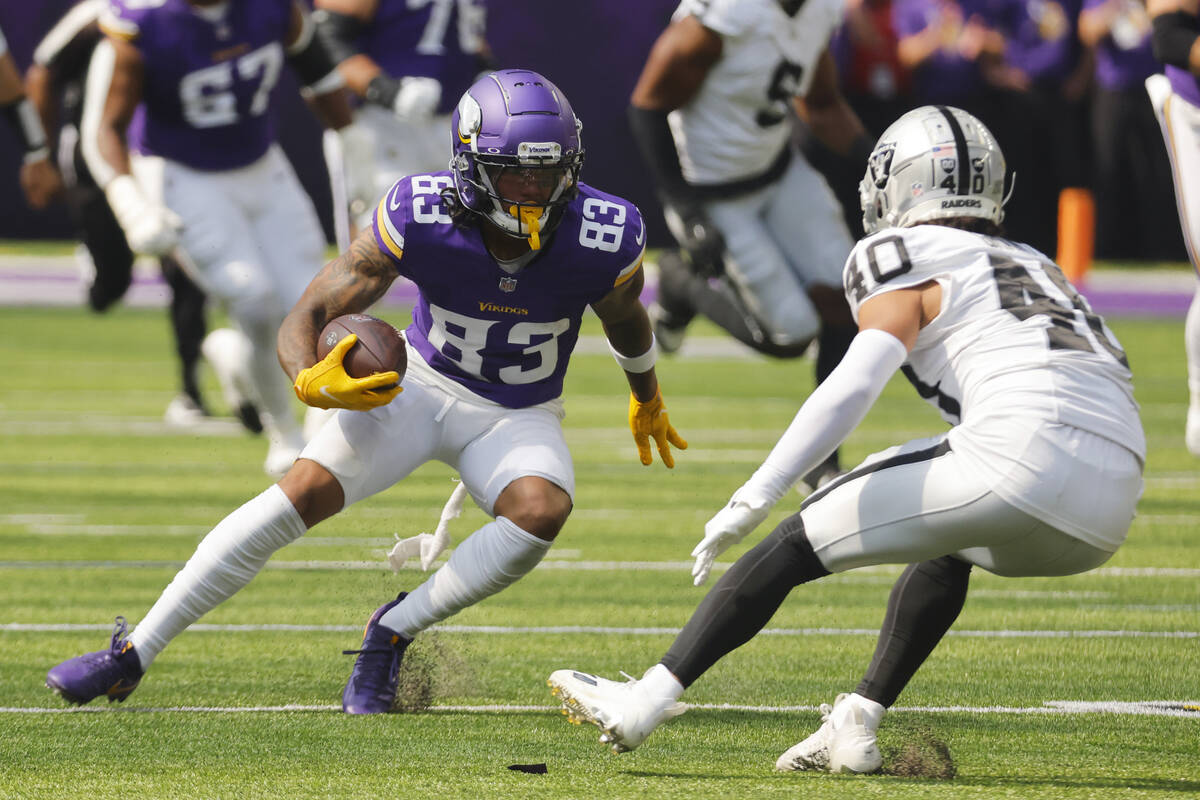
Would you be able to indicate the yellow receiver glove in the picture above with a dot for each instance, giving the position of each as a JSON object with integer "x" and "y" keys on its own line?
{"x": 649, "y": 420}
{"x": 327, "y": 385}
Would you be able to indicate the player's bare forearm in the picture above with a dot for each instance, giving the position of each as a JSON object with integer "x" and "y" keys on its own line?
{"x": 678, "y": 64}
{"x": 124, "y": 95}
{"x": 627, "y": 327}
{"x": 39, "y": 90}
{"x": 826, "y": 111}
{"x": 332, "y": 109}
{"x": 1156, "y": 7}
{"x": 349, "y": 284}
{"x": 10, "y": 80}
{"x": 357, "y": 71}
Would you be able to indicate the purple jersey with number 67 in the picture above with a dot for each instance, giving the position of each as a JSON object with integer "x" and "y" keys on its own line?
{"x": 505, "y": 337}
{"x": 207, "y": 78}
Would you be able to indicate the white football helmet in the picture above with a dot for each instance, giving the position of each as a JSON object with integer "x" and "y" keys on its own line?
{"x": 932, "y": 163}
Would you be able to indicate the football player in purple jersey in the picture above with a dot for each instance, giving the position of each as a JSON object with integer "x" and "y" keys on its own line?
{"x": 179, "y": 130}
{"x": 54, "y": 83}
{"x": 409, "y": 62}
{"x": 1135, "y": 208}
{"x": 1175, "y": 96}
{"x": 508, "y": 250}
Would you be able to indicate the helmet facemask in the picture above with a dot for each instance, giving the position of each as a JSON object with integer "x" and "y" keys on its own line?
{"x": 525, "y": 198}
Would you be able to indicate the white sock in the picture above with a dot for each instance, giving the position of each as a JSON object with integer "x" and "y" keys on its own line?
{"x": 659, "y": 682}
{"x": 490, "y": 559}
{"x": 274, "y": 392}
{"x": 224, "y": 562}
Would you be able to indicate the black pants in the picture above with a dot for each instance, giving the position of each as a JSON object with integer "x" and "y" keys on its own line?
{"x": 1135, "y": 207}
{"x": 102, "y": 235}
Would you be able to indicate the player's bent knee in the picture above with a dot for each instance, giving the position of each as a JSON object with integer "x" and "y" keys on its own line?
{"x": 313, "y": 490}
{"x": 535, "y": 505}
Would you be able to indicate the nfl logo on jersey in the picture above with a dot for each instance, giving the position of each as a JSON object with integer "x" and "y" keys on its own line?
{"x": 508, "y": 284}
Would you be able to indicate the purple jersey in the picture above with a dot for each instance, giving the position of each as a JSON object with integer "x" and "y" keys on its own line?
{"x": 1125, "y": 57}
{"x": 505, "y": 337}
{"x": 207, "y": 83}
{"x": 1041, "y": 37}
{"x": 1184, "y": 84}
{"x": 436, "y": 39}
{"x": 945, "y": 77}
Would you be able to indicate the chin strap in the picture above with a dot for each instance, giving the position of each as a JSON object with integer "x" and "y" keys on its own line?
{"x": 529, "y": 217}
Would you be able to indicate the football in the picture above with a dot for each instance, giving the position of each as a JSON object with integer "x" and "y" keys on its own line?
{"x": 380, "y": 347}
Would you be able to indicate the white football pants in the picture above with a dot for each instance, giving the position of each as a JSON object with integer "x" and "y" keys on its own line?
{"x": 920, "y": 501}
{"x": 780, "y": 240}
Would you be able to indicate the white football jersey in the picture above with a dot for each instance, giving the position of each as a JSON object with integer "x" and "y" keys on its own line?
{"x": 1014, "y": 355}
{"x": 1013, "y": 340}
{"x": 740, "y": 120}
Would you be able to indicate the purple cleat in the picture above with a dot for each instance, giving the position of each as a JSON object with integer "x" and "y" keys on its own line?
{"x": 372, "y": 685}
{"x": 114, "y": 672}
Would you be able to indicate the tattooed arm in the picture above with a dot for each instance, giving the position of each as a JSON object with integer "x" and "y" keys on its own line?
{"x": 349, "y": 284}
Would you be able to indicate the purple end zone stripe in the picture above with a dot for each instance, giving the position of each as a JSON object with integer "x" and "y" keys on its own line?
{"x": 30, "y": 284}
{"x": 1138, "y": 304}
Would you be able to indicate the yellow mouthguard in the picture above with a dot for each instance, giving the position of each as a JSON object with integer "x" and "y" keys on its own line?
{"x": 529, "y": 216}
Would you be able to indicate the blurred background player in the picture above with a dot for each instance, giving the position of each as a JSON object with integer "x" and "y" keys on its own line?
{"x": 948, "y": 46}
{"x": 55, "y": 83}
{"x": 179, "y": 131}
{"x": 1175, "y": 97}
{"x": 409, "y": 62}
{"x": 875, "y": 84}
{"x": 39, "y": 180}
{"x": 1135, "y": 211}
{"x": 712, "y": 113}
{"x": 1042, "y": 82}
{"x": 1039, "y": 475}
{"x": 508, "y": 251}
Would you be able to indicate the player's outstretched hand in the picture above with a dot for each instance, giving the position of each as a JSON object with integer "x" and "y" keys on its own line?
{"x": 648, "y": 421}
{"x": 730, "y": 525}
{"x": 327, "y": 385}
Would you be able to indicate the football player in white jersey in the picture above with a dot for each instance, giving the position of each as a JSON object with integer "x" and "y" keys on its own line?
{"x": 1039, "y": 475}
{"x": 712, "y": 114}
{"x": 1176, "y": 100}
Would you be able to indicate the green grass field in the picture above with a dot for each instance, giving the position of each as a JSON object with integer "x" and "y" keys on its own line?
{"x": 100, "y": 503}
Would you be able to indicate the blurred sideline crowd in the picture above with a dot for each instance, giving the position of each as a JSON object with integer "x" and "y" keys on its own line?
{"x": 1059, "y": 82}
{"x": 1061, "y": 85}
{"x": 148, "y": 163}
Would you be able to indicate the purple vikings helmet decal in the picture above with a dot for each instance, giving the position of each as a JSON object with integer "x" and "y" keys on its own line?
{"x": 514, "y": 127}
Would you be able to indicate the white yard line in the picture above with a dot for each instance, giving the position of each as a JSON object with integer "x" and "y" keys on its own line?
{"x": 563, "y": 564}
{"x": 570, "y": 630}
{"x": 1159, "y": 708}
